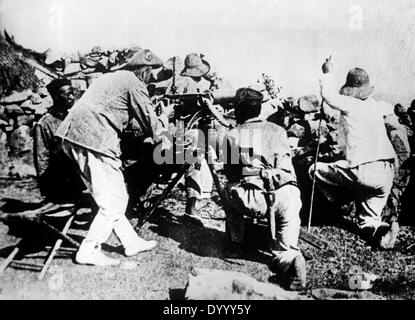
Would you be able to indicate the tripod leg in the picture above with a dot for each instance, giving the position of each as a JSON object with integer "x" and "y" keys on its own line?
{"x": 166, "y": 191}
{"x": 219, "y": 187}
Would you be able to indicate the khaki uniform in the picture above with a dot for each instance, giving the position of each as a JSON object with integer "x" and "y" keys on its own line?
{"x": 252, "y": 147}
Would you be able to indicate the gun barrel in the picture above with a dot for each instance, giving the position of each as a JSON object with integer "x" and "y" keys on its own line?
{"x": 223, "y": 96}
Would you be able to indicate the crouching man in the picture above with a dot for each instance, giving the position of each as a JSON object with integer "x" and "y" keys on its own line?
{"x": 91, "y": 137}
{"x": 366, "y": 174}
{"x": 262, "y": 184}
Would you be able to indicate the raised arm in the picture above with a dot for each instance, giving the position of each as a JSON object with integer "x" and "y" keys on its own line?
{"x": 330, "y": 94}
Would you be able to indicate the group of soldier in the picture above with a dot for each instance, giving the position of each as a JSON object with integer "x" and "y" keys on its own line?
{"x": 78, "y": 152}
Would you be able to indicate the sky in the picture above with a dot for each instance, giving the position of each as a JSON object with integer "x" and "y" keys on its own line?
{"x": 286, "y": 39}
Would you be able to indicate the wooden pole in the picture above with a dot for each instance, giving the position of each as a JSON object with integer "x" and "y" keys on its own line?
{"x": 314, "y": 175}
{"x": 9, "y": 259}
{"x": 55, "y": 248}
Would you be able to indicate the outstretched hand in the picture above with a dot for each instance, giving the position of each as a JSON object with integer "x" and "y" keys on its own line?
{"x": 327, "y": 66}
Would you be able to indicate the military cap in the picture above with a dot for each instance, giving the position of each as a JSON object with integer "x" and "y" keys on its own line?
{"x": 248, "y": 97}
{"x": 141, "y": 58}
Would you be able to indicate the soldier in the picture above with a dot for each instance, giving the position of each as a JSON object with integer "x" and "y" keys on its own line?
{"x": 57, "y": 177}
{"x": 262, "y": 184}
{"x": 91, "y": 137}
{"x": 367, "y": 172}
{"x": 203, "y": 78}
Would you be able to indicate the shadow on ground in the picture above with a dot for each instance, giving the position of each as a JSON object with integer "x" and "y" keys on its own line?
{"x": 199, "y": 239}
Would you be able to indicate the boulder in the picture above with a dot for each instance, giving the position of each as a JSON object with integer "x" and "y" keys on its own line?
{"x": 10, "y": 125}
{"x": 28, "y": 106}
{"x": 21, "y": 171}
{"x": 3, "y": 138}
{"x": 36, "y": 99}
{"x": 20, "y": 140}
{"x": 3, "y": 123}
{"x": 41, "y": 108}
{"x": 42, "y": 92}
{"x": 207, "y": 284}
{"x": 3, "y": 112}
{"x": 73, "y": 68}
{"x": 296, "y": 130}
{"x": 17, "y": 97}
{"x": 308, "y": 103}
{"x": 25, "y": 120}
{"x": 3, "y": 149}
{"x": 13, "y": 109}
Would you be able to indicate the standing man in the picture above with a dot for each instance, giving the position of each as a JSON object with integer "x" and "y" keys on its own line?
{"x": 91, "y": 137}
{"x": 262, "y": 184}
{"x": 203, "y": 78}
{"x": 57, "y": 176}
{"x": 367, "y": 172}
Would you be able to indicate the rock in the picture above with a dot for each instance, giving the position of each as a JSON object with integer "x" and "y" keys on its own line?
{"x": 47, "y": 102}
{"x": 333, "y": 294}
{"x": 13, "y": 109}
{"x": 296, "y": 130}
{"x": 3, "y": 150}
{"x": 25, "y": 120}
{"x": 20, "y": 140}
{"x": 21, "y": 171}
{"x": 3, "y": 123}
{"x": 17, "y": 97}
{"x": 28, "y": 106}
{"x": 11, "y": 125}
{"x": 72, "y": 68}
{"x": 40, "y": 109}
{"x": 208, "y": 284}
{"x": 308, "y": 103}
{"x": 36, "y": 99}
{"x": 3, "y": 139}
{"x": 3, "y": 113}
{"x": 43, "y": 92}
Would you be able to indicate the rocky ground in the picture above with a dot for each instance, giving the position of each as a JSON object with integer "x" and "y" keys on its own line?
{"x": 184, "y": 245}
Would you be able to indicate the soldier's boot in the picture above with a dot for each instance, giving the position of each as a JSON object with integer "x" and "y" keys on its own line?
{"x": 387, "y": 241}
{"x": 297, "y": 274}
{"x": 192, "y": 206}
{"x": 383, "y": 237}
{"x": 91, "y": 254}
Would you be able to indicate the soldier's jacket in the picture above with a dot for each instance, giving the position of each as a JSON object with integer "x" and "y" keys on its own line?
{"x": 258, "y": 145}
{"x": 46, "y": 145}
{"x": 100, "y": 116}
{"x": 57, "y": 177}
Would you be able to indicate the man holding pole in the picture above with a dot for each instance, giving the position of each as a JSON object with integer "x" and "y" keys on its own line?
{"x": 367, "y": 172}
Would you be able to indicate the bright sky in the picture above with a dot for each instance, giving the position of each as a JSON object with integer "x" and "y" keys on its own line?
{"x": 287, "y": 39}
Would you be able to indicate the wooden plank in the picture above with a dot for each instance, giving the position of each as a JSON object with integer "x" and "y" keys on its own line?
{"x": 55, "y": 248}
{"x": 312, "y": 240}
{"x": 9, "y": 259}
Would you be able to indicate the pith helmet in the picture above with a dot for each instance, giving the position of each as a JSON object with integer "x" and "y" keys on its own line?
{"x": 194, "y": 66}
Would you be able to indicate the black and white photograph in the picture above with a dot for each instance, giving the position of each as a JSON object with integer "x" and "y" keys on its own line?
{"x": 207, "y": 150}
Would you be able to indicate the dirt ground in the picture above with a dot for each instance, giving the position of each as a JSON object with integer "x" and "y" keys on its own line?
{"x": 183, "y": 245}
